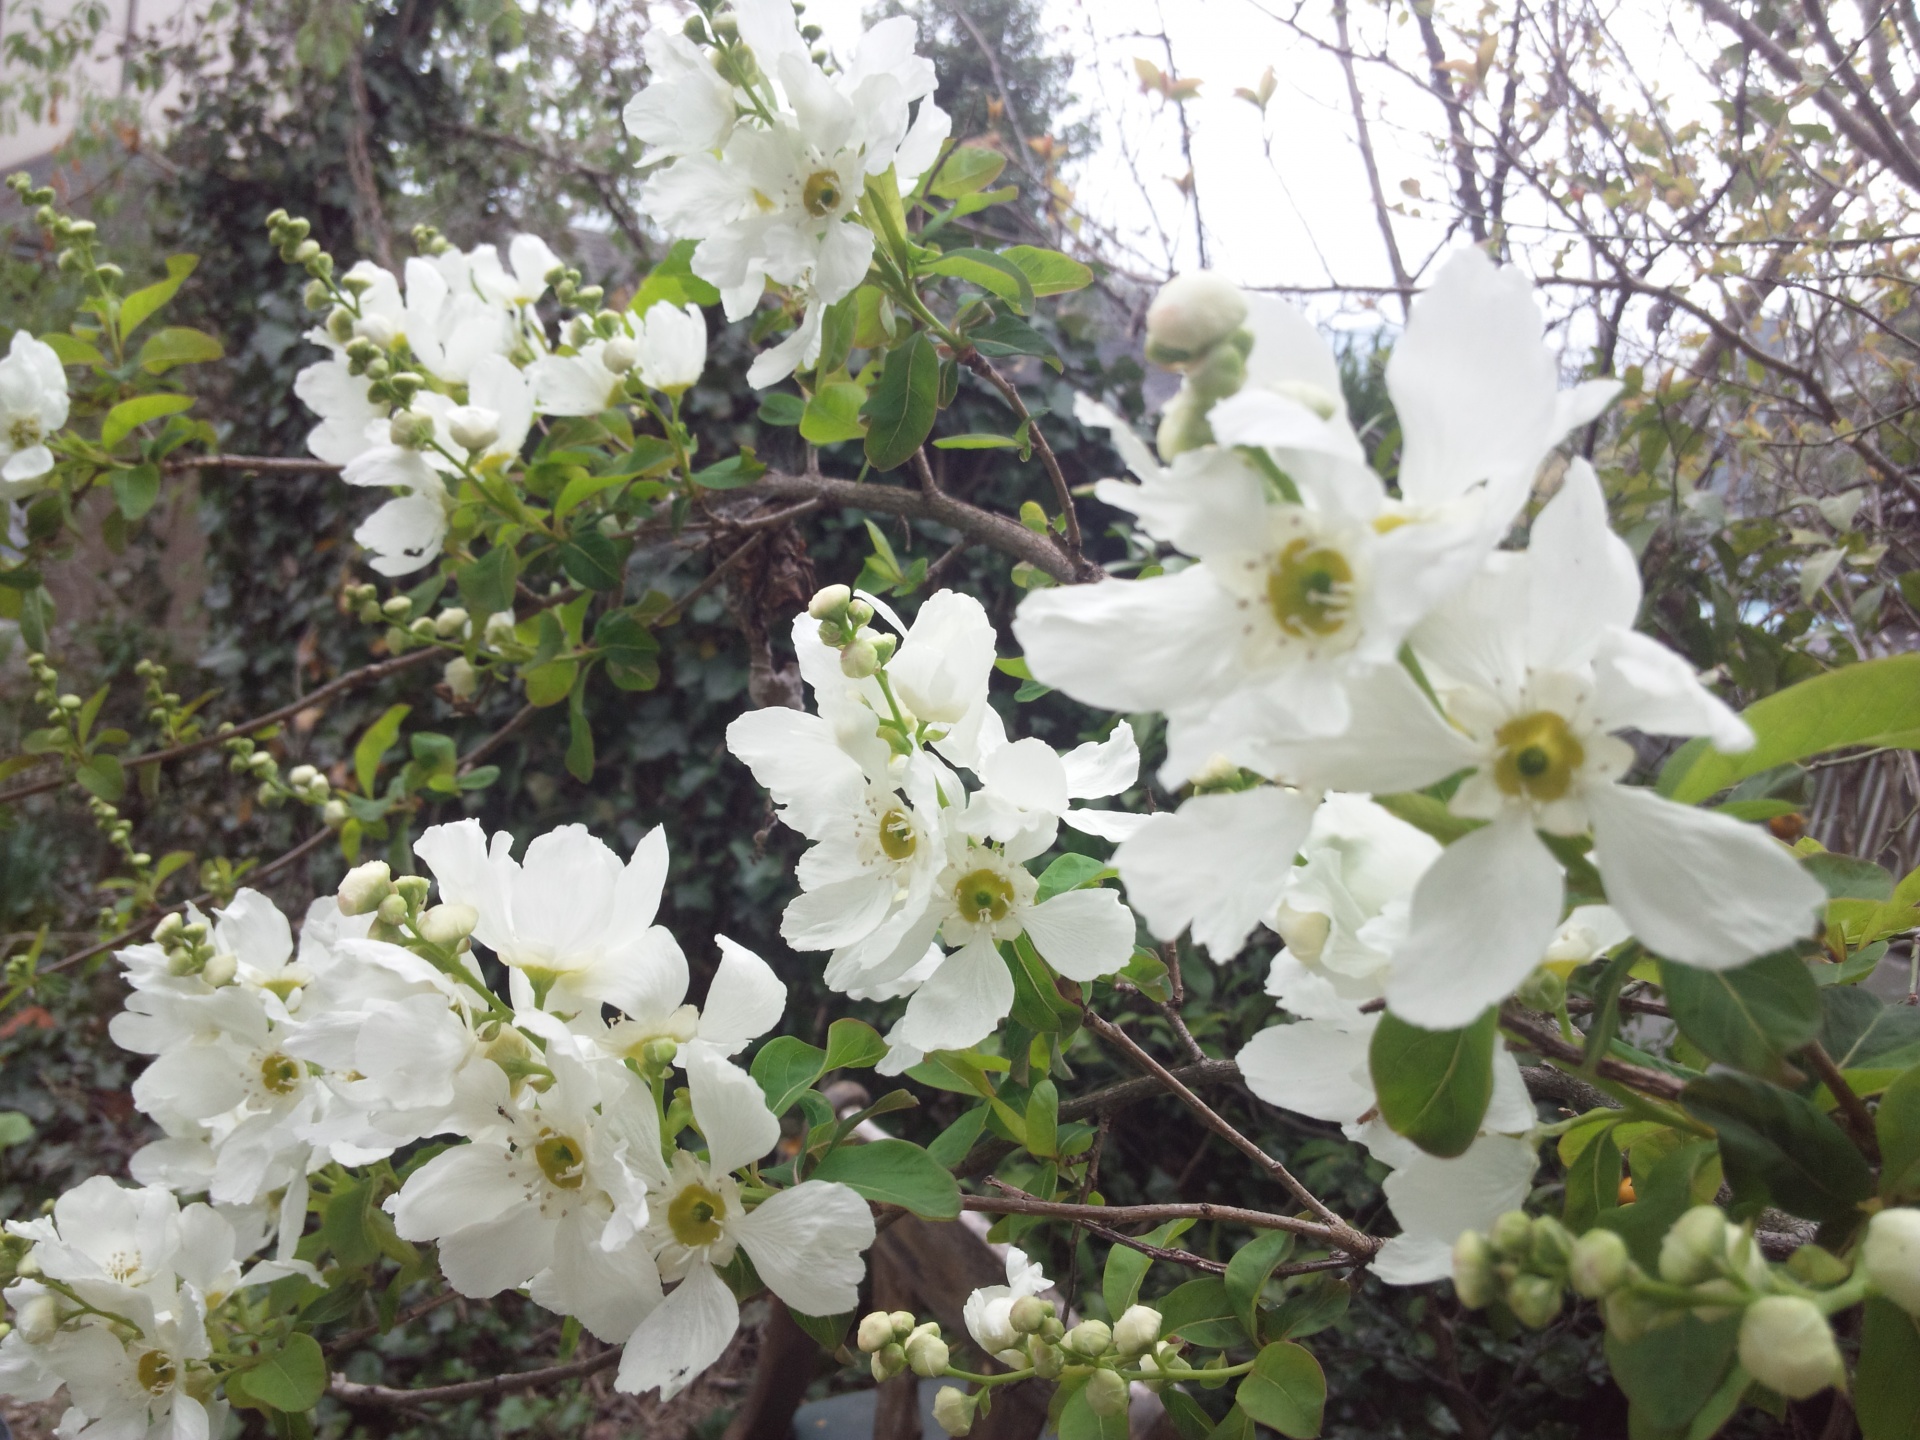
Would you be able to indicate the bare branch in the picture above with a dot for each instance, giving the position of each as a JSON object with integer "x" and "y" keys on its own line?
{"x": 1401, "y": 279}
{"x": 1360, "y": 1247}
{"x": 388, "y": 1397}
{"x": 1062, "y": 492}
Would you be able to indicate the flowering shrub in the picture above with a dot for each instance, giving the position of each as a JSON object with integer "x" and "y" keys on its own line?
{"x": 1394, "y": 715}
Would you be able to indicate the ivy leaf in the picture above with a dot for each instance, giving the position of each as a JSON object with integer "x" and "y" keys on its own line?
{"x": 901, "y": 409}
{"x": 1434, "y": 1086}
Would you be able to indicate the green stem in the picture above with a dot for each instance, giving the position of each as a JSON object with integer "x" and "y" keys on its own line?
{"x": 985, "y": 1380}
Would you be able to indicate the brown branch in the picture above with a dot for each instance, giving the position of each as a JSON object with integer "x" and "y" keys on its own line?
{"x": 265, "y": 464}
{"x": 387, "y": 1396}
{"x": 1466, "y": 176}
{"x": 1160, "y": 1252}
{"x": 1360, "y": 1247}
{"x": 367, "y": 1332}
{"x": 498, "y": 738}
{"x": 1401, "y": 279}
{"x": 1853, "y": 1110}
{"x": 1350, "y": 1239}
{"x": 370, "y": 219}
{"x": 353, "y": 679}
{"x": 1062, "y": 492}
{"x": 1539, "y": 1035}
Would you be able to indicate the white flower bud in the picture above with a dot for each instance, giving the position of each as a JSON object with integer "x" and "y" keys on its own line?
{"x": 1193, "y": 313}
{"x": 927, "y": 1352}
{"x": 859, "y": 660}
{"x": 1600, "y": 1264}
{"x": 1787, "y": 1345}
{"x": 37, "y": 1318}
{"x": 335, "y": 814}
{"x": 448, "y": 924}
{"x": 888, "y": 1361}
{"x": 953, "y": 1410}
{"x": 499, "y": 629}
{"x": 1473, "y": 1277}
{"x": 829, "y": 602}
{"x": 1106, "y": 1394}
{"x": 1693, "y": 1249}
{"x": 301, "y": 776}
{"x": 220, "y": 970}
{"x": 1512, "y": 1234}
{"x": 1028, "y": 1313}
{"x": 875, "y": 1333}
{"x": 473, "y": 427}
{"x": 1090, "y": 1338}
{"x": 1892, "y": 1257}
{"x": 1136, "y": 1330}
{"x": 1535, "y": 1300}
{"x": 377, "y": 328}
{"x": 619, "y": 354}
{"x": 365, "y": 887}
{"x": 450, "y": 622}
{"x": 1048, "y": 1360}
{"x": 461, "y": 678}
{"x": 410, "y": 429}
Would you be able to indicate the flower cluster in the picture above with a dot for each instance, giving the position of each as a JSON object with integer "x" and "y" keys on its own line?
{"x": 914, "y": 878}
{"x": 769, "y": 155}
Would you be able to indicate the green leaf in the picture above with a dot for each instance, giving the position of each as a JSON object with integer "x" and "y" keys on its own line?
{"x": 136, "y": 490}
{"x": 1043, "y": 1119}
{"x": 1048, "y": 271}
{"x": 1248, "y": 1272}
{"x": 346, "y": 1222}
{"x": 1286, "y": 1390}
{"x": 140, "y": 306}
{"x": 1079, "y": 1422}
{"x": 901, "y": 409}
{"x": 123, "y": 418}
{"x": 784, "y": 1067}
{"x": 977, "y": 440}
{"x": 15, "y": 1129}
{"x": 1846, "y": 877}
{"x": 827, "y": 1330}
{"x": 1862, "y": 1032}
{"x": 894, "y": 1172}
{"x": 375, "y": 744}
{"x": 1593, "y": 1183}
{"x": 953, "y": 1144}
{"x": 1006, "y": 335}
{"x": 593, "y": 560}
{"x": 992, "y": 273}
{"x": 1674, "y": 1184}
{"x": 293, "y": 1378}
{"x": 1126, "y": 1267}
{"x": 1750, "y": 1018}
{"x": 549, "y": 683}
{"x": 1037, "y": 1001}
{"x": 487, "y": 584}
{"x": 1189, "y": 1419}
{"x": 853, "y": 1045}
{"x": 1202, "y": 1311}
{"x": 1236, "y": 1424}
{"x": 1671, "y": 1373}
{"x": 1897, "y": 1126}
{"x": 178, "y": 345}
{"x": 104, "y": 776}
{"x": 72, "y": 350}
{"x": 1321, "y": 1302}
{"x": 983, "y": 200}
{"x": 833, "y": 414}
{"x": 1069, "y": 872}
{"x": 782, "y": 408}
{"x": 1779, "y": 1150}
{"x": 969, "y": 168}
{"x": 673, "y": 281}
{"x": 1434, "y": 1085}
{"x": 1887, "y": 1378}
{"x": 1873, "y": 703}
{"x": 731, "y": 473}
{"x": 579, "y": 756}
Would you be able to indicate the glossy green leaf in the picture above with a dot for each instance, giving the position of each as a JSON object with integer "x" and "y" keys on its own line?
{"x": 894, "y": 1172}
{"x": 953, "y": 1144}
{"x": 1593, "y": 1183}
{"x": 629, "y": 649}
{"x": 1069, "y": 872}
{"x": 1434, "y": 1085}
{"x": 1043, "y": 1119}
{"x": 1750, "y": 1018}
{"x": 143, "y": 303}
{"x": 992, "y": 273}
{"x": 1078, "y": 1421}
{"x": 1887, "y": 1377}
{"x": 977, "y": 441}
{"x": 292, "y": 1378}
{"x": 1126, "y": 1267}
{"x": 550, "y": 683}
{"x": 72, "y": 350}
{"x": 1201, "y": 1311}
{"x": 1669, "y": 1374}
{"x": 853, "y": 1045}
{"x": 1048, "y": 271}
{"x": 1876, "y": 702}
{"x": 346, "y": 1221}
{"x": 1287, "y": 1390}
{"x": 1322, "y": 1301}
{"x": 1896, "y": 1125}
{"x": 833, "y": 414}
{"x": 1863, "y": 1032}
{"x": 128, "y": 415}
{"x": 104, "y": 776}
{"x": 1248, "y": 1272}
{"x": 782, "y": 408}
{"x": 579, "y": 758}
{"x": 968, "y": 168}
{"x": 593, "y": 560}
{"x": 15, "y": 1129}
{"x": 828, "y": 1331}
{"x": 1006, "y": 335}
{"x": 785, "y": 1066}
{"x": 1779, "y": 1150}
{"x": 136, "y": 490}
{"x": 487, "y": 584}
{"x": 379, "y": 738}
{"x": 178, "y": 345}
{"x": 901, "y": 409}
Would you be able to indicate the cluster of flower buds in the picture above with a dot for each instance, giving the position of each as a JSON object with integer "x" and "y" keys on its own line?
{"x": 568, "y": 290}
{"x": 1523, "y": 1263}
{"x": 1197, "y": 325}
{"x": 843, "y": 626}
{"x": 396, "y": 906}
{"x": 166, "y": 712}
{"x": 188, "y": 947}
{"x": 76, "y": 237}
{"x": 245, "y": 757}
{"x": 898, "y": 1342}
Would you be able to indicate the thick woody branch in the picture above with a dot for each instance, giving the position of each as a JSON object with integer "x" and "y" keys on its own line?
{"x": 387, "y": 1396}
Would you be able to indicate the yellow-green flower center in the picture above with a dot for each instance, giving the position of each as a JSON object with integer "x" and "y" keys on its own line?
{"x": 156, "y": 1373}
{"x": 694, "y": 1216}
{"x": 897, "y": 840}
{"x": 280, "y": 1075}
{"x": 562, "y": 1161}
{"x": 24, "y": 432}
{"x": 984, "y": 896}
{"x": 1309, "y": 589}
{"x": 1538, "y": 756}
{"x": 822, "y": 193}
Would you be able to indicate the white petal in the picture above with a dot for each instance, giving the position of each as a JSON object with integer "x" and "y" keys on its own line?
{"x": 729, "y": 1107}
{"x": 1640, "y": 684}
{"x": 745, "y": 1000}
{"x": 1115, "y": 825}
{"x": 688, "y": 1332}
{"x": 636, "y": 894}
{"x": 609, "y": 1293}
{"x": 1584, "y": 578}
{"x": 772, "y": 366}
{"x": 1312, "y": 1068}
{"x": 458, "y": 1187}
{"x": 1435, "y": 1200}
{"x": 1028, "y": 774}
{"x": 1696, "y": 887}
{"x": 1482, "y": 918}
{"x": 1130, "y": 644}
{"x": 1103, "y": 767}
{"x": 967, "y": 997}
{"x": 1218, "y": 864}
{"x": 1083, "y": 934}
{"x": 1396, "y": 741}
{"x": 404, "y": 534}
{"x": 498, "y": 1254}
{"x": 838, "y": 913}
{"x": 1137, "y": 454}
{"x": 806, "y": 1243}
{"x": 1582, "y": 405}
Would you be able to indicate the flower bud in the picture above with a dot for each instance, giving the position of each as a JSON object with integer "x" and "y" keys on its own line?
{"x": 499, "y": 629}
{"x": 619, "y": 354}
{"x": 829, "y": 602}
{"x": 1191, "y": 314}
{"x": 1512, "y": 1235}
{"x": 460, "y": 677}
{"x": 1787, "y": 1345}
{"x": 1542, "y": 990}
{"x": 170, "y": 925}
{"x": 448, "y": 923}
{"x": 392, "y": 910}
{"x": 1599, "y": 1264}
{"x": 1106, "y": 1394}
{"x": 1473, "y": 1275}
{"x": 1552, "y": 1246}
{"x": 220, "y": 970}
{"x": 1304, "y": 931}
{"x": 301, "y": 776}
{"x": 1534, "y": 1299}
{"x": 334, "y": 814}
{"x": 364, "y": 887}
{"x": 1813, "y": 1265}
{"x": 888, "y": 1361}
{"x": 1052, "y": 1330}
{"x": 1048, "y": 1360}
{"x": 450, "y": 622}
{"x": 953, "y": 1409}
{"x": 410, "y": 429}
{"x": 1029, "y": 1313}
{"x": 1891, "y": 1255}
{"x": 37, "y": 1318}
{"x": 875, "y": 1332}
{"x": 927, "y": 1352}
{"x": 1137, "y": 1330}
{"x": 1090, "y": 1338}
{"x": 1693, "y": 1249}
{"x": 473, "y": 427}
{"x": 859, "y": 660}
{"x": 904, "y": 1323}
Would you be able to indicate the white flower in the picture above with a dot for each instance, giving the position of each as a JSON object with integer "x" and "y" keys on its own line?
{"x": 1308, "y": 577}
{"x": 33, "y": 405}
{"x": 989, "y": 1310}
{"x": 348, "y": 418}
{"x": 686, "y": 106}
{"x": 531, "y": 259}
{"x": 671, "y": 345}
{"x": 577, "y": 384}
{"x": 572, "y": 923}
{"x": 1536, "y": 666}
{"x": 805, "y": 1243}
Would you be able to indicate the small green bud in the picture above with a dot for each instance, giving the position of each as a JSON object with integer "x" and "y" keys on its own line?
{"x": 953, "y": 1409}
{"x": 1048, "y": 1360}
{"x": 1474, "y": 1280}
{"x": 1028, "y": 1314}
{"x": 1552, "y": 1245}
{"x": 696, "y": 30}
{"x": 1543, "y": 990}
{"x": 927, "y": 1353}
{"x": 1695, "y": 1246}
{"x": 392, "y": 910}
{"x": 888, "y": 1361}
{"x": 1090, "y": 1338}
{"x": 1599, "y": 1264}
{"x": 365, "y": 888}
{"x": 1136, "y": 1330}
{"x": 1512, "y": 1235}
{"x": 1535, "y": 1300}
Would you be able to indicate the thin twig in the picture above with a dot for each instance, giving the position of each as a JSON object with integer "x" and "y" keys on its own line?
{"x": 1360, "y": 1247}
{"x": 266, "y": 464}
{"x": 498, "y": 738}
{"x": 1853, "y": 1110}
{"x": 388, "y": 1396}
{"x": 1539, "y": 1035}
{"x": 1160, "y": 1252}
{"x": 367, "y": 1332}
{"x": 1062, "y": 492}
{"x": 712, "y": 578}
{"x": 924, "y": 471}
{"x": 1402, "y": 280}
